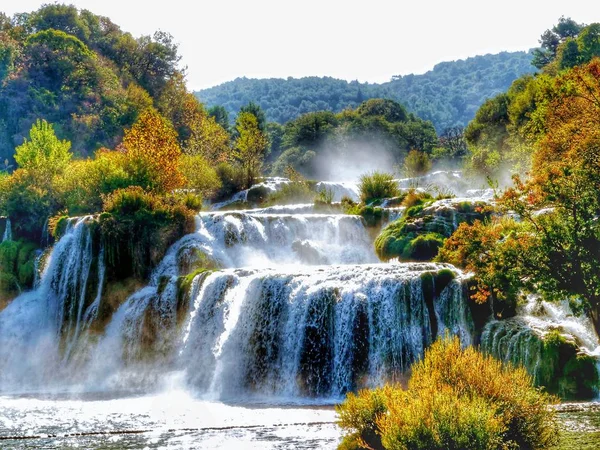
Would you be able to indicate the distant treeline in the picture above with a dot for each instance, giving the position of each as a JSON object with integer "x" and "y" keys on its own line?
{"x": 449, "y": 95}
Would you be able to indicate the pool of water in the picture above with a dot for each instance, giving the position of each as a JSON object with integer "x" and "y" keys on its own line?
{"x": 178, "y": 420}
{"x": 174, "y": 420}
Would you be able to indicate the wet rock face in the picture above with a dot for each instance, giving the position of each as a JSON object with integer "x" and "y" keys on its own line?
{"x": 421, "y": 231}
{"x": 555, "y": 347}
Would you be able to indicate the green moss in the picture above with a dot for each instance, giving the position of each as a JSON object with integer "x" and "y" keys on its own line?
{"x": 9, "y": 287}
{"x": 580, "y": 378}
{"x": 413, "y": 211}
{"x": 423, "y": 247}
{"x": 9, "y": 252}
{"x": 443, "y": 278}
{"x": 401, "y": 239}
{"x": 184, "y": 283}
{"x": 60, "y": 227}
{"x": 17, "y": 259}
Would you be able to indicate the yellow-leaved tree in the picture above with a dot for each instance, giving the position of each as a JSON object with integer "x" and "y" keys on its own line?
{"x": 250, "y": 146}
{"x": 153, "y": 153}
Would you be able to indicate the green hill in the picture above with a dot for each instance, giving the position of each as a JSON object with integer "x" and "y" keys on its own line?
{"x": 448, "y": 95}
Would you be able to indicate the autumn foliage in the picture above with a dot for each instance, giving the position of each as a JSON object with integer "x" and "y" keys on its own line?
{"x": 153, "y": 152}
{"x": 457, "y": 398}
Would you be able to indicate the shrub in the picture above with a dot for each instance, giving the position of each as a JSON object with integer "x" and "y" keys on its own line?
{"x": 359, "y": 413}
{"x": 415, "y": 198}
{"x": 439, "y": 418}
{"x": 57, "y": 225}
{"x": 199, "y": 175}
{"x": 231, "y": 178}
{"x": 376, "y": 186}
{"x": 456, "y": 399}
{"x": 416, "y": 163}
{"x": 138, "y": 227}
{"x": 9, "y": 287}
{"x": 325, "y": 196}
{"x": 27, "y": 203}
{"x": 16, "y": 267}
{"x": 290, "y": 193}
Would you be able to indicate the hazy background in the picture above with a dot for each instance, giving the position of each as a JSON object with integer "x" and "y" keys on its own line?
{"x": 369, "y": 41}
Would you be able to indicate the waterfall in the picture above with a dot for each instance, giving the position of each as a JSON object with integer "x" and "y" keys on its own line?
{"x": 315, "y": 332}
{"x": 340, "y": 189}
{"x": 293, "y": 313}
{"x": 240, "y": 239}
{"x": 39, "y": 329}
{"x": 7, "y": 236}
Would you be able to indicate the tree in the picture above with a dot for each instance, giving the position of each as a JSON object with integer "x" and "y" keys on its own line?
{"x": 388, "y": 109}
{"x": 551, "y": 40}
{"x": 256, "y": 111}
{"x": 208, "y": 139}
{"x": 221, "y": 116}
{"x": 250, "y": 146}
{"x": 43, "y": 153}
{"x": 199, "y": 175}
{"x": 153, "y": 153}
{"x": 452, "y": 140}
{"x": 555, "y": 248}
{"x": 416, "y": 164}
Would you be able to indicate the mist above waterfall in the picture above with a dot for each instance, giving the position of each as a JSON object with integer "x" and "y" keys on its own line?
{"x": 350, "y": 160}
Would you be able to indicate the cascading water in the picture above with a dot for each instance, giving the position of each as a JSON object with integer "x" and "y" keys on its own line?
{"x": 549, "y": 341}
{"x": 247, "y": 239}
{"x": 286, "y": 319}
{"x": 7, "y": 235}
{"x": 39, "y": 329}
{"x": 298, "y": 312}
{"x": 316, "y": 331}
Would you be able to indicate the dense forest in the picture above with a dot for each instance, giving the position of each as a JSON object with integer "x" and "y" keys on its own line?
{"x": 448, "y": 95}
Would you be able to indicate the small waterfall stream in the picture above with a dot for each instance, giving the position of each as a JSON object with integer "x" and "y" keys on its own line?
{"x": 7, "y": 235}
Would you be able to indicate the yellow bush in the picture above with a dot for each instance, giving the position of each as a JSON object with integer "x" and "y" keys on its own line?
{"x": 457, "y": 399}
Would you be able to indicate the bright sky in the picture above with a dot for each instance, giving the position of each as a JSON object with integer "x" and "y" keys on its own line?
{"x": 369, "y": 40}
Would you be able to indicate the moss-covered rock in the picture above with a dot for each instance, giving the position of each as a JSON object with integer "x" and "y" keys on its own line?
{"x": 421, "y": 231}
{"x": 552, "y": 357}
{"x": 137, "y": 229}
{"x": 17, "y": 262}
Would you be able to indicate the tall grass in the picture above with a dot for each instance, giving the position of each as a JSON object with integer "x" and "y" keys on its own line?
{"x": 376, "y": 186}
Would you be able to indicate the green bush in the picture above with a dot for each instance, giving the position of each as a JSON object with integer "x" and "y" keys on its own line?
{"x": 456, "y": 399}
{"x": 424, "y": 247}
{"x": 402, "y": 240}
{"x": 137, "y": 228}
{"x": 17, "y": 264}
{"x": 377, "y": 186}
{"x": 290, "y": 193}
{"x": 231, "y": 178}
{"x": 9, "y": 251}
{"x": 9, "y": 287}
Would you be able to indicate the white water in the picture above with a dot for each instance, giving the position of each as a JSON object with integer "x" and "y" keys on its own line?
{"x": 7, "y": 236}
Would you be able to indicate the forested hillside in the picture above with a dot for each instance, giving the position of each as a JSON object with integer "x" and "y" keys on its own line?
{"x": 81, "y": 72}
{"x": 448, "y": 95}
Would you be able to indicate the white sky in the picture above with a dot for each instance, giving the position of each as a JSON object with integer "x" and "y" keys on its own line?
{"x": 369, "y": 40}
